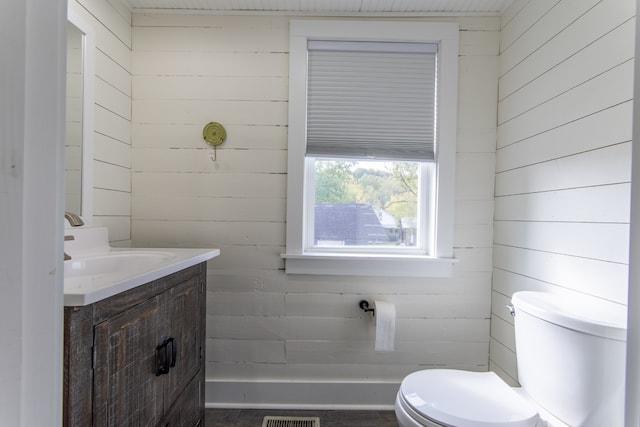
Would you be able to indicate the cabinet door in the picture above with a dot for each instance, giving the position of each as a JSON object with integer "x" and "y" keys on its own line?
{"x": 187, "y": 410}
{"x": 127, "y": 391}
{"x": 184, "y": 317}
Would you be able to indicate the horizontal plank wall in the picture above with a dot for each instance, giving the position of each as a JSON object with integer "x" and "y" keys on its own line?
{"x": 563, "y": 156}
{"x": 273, "y": 339}
{"x": 111, "y": 20}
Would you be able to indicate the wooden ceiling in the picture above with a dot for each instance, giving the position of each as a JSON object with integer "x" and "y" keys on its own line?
{"x": 333, "y": 7}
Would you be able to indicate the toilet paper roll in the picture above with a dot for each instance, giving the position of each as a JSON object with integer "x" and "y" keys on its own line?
{"x": 385, "y": 315}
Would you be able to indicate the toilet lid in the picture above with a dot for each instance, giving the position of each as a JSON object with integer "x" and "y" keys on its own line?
{"x": 466, "y": 399}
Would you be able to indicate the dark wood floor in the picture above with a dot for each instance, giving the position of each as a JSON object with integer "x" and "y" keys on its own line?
{"x": 253, "y": 417}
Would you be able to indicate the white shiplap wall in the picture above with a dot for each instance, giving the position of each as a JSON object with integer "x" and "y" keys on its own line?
{"x": 269, "y": 333}
{"x": 563, "y": 156}
{"x": 111, "y": 21}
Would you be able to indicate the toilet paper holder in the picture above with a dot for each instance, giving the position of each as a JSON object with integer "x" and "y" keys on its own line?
{"x": 364, "y": 305}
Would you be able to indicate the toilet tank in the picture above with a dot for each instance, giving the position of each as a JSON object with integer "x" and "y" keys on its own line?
{"x": 571, "y": 356}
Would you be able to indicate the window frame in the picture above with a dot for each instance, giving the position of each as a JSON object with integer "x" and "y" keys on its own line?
{"x": 298, "y": 258}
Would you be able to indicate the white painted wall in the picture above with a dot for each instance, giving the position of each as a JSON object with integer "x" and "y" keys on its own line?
{"x": 563, "y": 158}
{"x": 32, "y": 85}
{"x": 111, "y": 21}
{"x": 269, "y": 333}
{"x": 561, "y": 185}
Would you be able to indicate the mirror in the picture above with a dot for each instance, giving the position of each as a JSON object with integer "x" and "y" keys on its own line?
{"x": 79, "y": 118}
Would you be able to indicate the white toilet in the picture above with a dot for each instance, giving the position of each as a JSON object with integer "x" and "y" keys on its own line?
{"x": 571, "y": 365}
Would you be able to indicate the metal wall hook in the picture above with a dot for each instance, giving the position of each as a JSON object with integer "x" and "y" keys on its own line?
{"x": 364, "y": 305}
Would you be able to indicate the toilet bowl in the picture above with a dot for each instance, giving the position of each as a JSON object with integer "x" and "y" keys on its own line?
{"x": 570, "y": 354}
{"x": 442, "y": 397}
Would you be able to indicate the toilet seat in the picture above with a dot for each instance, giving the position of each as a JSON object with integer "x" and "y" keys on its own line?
{"x": 464, "y": 399}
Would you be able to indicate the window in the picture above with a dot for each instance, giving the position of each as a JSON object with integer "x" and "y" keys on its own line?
{"x": 372, "y": 118}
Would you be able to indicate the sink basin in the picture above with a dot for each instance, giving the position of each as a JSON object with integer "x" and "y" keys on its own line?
{"x": 115, "y": 263}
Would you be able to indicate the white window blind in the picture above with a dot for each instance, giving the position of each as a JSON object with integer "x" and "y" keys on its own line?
{"x": 371, "y": 100}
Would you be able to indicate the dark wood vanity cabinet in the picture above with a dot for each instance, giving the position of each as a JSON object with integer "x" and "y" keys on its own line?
{"x": 112, "y": 351}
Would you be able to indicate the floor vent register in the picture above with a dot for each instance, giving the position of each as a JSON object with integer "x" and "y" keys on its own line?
{"x": 291, "y": 422}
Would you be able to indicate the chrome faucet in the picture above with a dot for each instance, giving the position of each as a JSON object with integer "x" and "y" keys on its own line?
{"x": 73, "y": 219}
{"x": 66, "y": 238}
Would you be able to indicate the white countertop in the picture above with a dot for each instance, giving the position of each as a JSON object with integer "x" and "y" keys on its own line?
{"x": 97, "y": 271}
{"x": 87, "y": 289}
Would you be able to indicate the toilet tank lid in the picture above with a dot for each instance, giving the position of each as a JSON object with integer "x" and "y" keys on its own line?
{"x": 582, "y": 313}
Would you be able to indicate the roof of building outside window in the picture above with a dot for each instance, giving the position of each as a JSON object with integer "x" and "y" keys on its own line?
{"x": 350, "y": 223}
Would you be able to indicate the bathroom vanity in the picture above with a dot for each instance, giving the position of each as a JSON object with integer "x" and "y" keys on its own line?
{"x": 137, "y": 357}
{"x": 134, "y": 333}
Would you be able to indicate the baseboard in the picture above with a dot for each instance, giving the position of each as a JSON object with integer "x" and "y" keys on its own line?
{"x": 301, "y": 395}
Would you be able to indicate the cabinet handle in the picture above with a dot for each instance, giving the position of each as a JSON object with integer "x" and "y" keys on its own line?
{"x": 166, "y": 354}
{"x": 161, "y": 359}
{"x": 173, "y": 352}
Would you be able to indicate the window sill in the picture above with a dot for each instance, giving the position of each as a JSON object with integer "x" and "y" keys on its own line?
{"x": 333, "y": 264}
